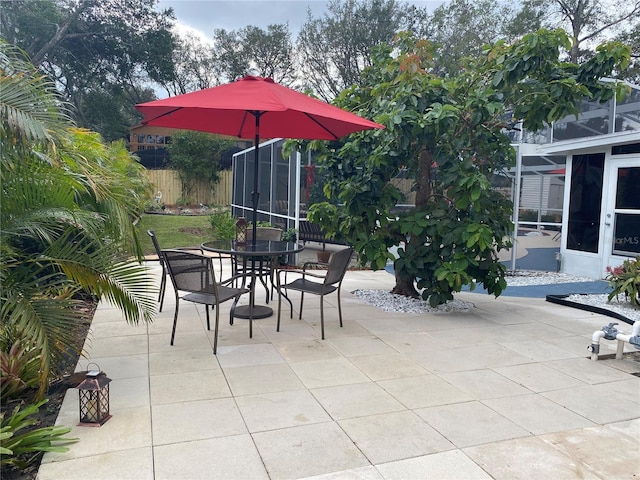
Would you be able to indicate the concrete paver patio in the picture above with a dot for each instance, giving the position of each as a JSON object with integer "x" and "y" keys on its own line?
{"x": 504, "y": 390}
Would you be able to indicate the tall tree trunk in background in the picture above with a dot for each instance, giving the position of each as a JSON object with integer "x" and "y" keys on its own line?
{"x": 405, "y": 283}
{"x": 38, "y": 57}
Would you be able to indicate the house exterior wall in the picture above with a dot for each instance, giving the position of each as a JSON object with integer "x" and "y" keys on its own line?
{"x": 544, "y": 192}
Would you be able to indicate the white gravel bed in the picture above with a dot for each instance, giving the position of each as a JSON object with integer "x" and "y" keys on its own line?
{"x": 523, "y": 278}
{"x": 390, "y": 302}
{"x": 396, "y": 303}
{"x": 600, "y": 301}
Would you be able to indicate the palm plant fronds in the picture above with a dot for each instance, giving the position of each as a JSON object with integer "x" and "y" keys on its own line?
{"x": 31, "y": 112}
{"x": 66, "y": 208}
{"x": 40, "y": 309}
{"x": 127, "y": 286}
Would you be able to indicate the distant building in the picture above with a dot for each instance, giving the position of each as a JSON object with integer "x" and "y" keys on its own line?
{"x": 150, "y": 144}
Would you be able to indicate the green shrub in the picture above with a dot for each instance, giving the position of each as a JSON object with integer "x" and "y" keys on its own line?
{"x": 626, "y": 279}
{"x": 224, "y": 225}
{"x": 290, "y": 235}
{"x": 21, "y": 449}
{"x": 19, "y": 370}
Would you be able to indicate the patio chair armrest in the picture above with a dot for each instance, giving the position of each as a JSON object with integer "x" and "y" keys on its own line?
{"x": 296, "y": 271}
{"x": 288, "y": 270}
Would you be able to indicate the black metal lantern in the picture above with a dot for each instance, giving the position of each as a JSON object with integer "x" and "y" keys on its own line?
{"x": 94, "y": 399}
{"x": 241, "y": 231}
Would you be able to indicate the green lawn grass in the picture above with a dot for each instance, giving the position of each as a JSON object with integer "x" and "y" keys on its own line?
{"x": 174, "y": 231}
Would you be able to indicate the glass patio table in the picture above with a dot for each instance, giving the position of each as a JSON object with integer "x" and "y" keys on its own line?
{"x": 250, "y": 254}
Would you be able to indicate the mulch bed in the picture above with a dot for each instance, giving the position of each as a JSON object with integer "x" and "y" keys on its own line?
{"x": 63, "y": 379}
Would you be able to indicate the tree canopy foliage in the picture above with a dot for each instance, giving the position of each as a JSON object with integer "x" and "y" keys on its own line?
{"x": 587, "y": 21}
{"x": 448, "y": 135}
{"x": 105, "y": 58}
{"x": 99, "y": 54}
{"x": 193, "y": 67}
{"x": 463, "y": 27}
{"x": 335, "y": 48}
{"x": 254, "y": 51}
{"x": 196, "y": 156}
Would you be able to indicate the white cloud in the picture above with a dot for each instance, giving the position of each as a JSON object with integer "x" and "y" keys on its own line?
{"x": 183, "y": 30}
{"x": 207, "y": 15}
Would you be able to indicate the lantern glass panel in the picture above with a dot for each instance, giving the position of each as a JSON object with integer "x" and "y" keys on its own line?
{"x": 89, "y": 411}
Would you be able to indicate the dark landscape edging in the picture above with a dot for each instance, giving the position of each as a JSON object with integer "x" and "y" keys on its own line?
{"x": 561, "y": 300}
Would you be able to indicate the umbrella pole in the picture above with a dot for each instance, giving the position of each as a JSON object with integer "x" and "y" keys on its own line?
{"x": 255, "y": 195}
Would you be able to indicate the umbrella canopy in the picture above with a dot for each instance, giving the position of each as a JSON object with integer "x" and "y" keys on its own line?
{"x": 232, "y": 109}
{"x": 250, "y": 108}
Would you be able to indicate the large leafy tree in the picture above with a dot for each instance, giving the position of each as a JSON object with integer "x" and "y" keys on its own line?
{"x": 632, "y": 38}
{"x": 105, "y": 49}
{"x": 448, "y": 133}
{"x": 194, "y": 64}
{"x": 66, "y": 208}
{"x": 463, "y": 27}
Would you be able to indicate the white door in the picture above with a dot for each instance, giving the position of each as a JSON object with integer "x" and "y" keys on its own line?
{"x": 622, "y": 210}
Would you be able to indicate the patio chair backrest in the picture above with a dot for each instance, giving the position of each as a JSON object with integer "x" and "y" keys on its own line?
{"x": 190, "y": 272}
{"x": 338, "y": 265}
{"x": 156, "y": 245}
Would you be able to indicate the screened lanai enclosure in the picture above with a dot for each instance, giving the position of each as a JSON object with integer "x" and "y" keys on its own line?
{"x": 577, "y": 181}
{"x": 282, "y": 190}
{"x": 578, "y": 178}
{"x": 286, "y": 185}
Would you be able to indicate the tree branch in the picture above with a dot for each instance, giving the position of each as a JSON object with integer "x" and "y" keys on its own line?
{"x": 39, "y": 56}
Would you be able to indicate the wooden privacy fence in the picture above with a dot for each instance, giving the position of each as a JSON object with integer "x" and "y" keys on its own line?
{"x": 168, "y": 182}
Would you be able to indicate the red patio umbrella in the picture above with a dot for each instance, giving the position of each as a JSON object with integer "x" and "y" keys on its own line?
{"x": 249, "y": 108}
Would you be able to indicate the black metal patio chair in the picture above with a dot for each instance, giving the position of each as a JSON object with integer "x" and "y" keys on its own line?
{"x": 330, "y": 281}
{"x": 193, "y": 275}
{"x": 163, "y": 280}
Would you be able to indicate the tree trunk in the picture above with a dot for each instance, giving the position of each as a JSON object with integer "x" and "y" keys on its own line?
{"x": 405, "y": 283}
{"x": 38, "y": 57}
{"x": 423, "y": 179}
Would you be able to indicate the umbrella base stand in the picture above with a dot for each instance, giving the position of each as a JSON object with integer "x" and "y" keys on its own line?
{"x": 259, "y": 311}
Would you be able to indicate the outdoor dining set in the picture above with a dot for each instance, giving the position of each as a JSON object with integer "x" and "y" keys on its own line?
{"x": 254, "y": 260}
{"x": 248, "y": 108}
